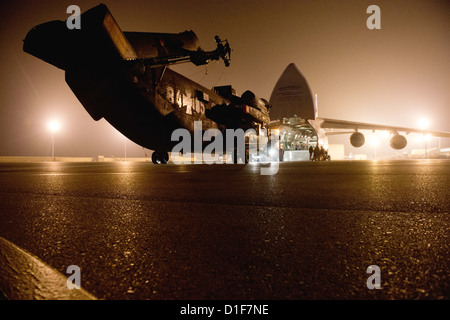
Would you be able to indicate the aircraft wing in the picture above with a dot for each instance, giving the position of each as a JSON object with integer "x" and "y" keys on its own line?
{"x": 344, "y": 124}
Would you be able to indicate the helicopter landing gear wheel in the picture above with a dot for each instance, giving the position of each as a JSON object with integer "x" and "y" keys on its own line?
{"x": 160, "y": 157}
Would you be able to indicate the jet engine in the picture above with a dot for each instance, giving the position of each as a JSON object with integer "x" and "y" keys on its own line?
{"x": 357, "y": 139}
{"x": 398, "y": 142}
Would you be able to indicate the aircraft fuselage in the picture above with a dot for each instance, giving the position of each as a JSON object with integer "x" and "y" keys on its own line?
{"x": 145, "y": 105}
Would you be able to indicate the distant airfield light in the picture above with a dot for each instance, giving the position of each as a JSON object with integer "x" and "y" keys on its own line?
{"x": 373, "y": 140}
{"x": 423, "y": 123}
{"x": 272, "y": 152}
{"x": 54, "y": 126}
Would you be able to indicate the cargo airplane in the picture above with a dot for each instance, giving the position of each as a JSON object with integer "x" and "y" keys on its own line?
{"x": 292, "y": 96}
{"x": 124, "y": 77}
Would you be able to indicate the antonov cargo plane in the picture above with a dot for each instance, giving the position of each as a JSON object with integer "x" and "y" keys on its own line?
{"x": 292, "y": 96}
{"x": 124, "y": 77}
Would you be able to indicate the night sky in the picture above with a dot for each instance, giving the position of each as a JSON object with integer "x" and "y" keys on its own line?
{"x": 391, "y": 76}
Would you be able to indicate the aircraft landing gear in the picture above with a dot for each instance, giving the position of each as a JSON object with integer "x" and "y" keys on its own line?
{"x": 160, "y": 157}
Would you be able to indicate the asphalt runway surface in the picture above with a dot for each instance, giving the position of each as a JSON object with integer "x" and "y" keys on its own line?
{"x": 164, "y": 232}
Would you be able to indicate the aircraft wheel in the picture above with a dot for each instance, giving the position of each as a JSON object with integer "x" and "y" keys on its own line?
{"x": 235, "y": 156}
{"x": 163, "y": 157}
{"x": 155, "y": 157}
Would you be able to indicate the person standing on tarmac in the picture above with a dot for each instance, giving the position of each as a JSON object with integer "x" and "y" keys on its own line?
{"x": 310, "y": 152}
{"x": 316, "y": 153}
{"x": 322, "y": 153}
{"x": 281, "y": 154}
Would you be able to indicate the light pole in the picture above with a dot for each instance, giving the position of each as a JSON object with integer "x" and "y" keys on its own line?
{"x": 125, "y": 146}
{"x": 427, "y": 137}
{"x": 423, "y": 124}
{"x": 374, "y": 142}
{"x": 54, "y": 127}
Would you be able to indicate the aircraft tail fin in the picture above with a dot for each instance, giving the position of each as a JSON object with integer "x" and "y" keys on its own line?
{"x": 99, "y": 39}
{"x": 115, "y": 34}
{"x": 292, "y": 96}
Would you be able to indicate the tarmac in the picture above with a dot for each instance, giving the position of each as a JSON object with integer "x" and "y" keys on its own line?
{"x": 187, "y": 232}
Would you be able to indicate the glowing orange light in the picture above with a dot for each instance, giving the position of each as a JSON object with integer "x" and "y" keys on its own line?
{"x": 54, "y": 126}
